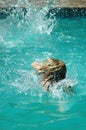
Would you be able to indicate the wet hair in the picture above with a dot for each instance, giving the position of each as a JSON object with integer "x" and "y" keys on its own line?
{"x": 53, "y": 70}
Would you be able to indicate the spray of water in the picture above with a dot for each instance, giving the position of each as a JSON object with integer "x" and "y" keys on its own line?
{"x": 34, "y": 17}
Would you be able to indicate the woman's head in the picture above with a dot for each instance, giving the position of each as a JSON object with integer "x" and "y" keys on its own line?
{"x": 51, "y": 69}
{"x": 54, "y": 68}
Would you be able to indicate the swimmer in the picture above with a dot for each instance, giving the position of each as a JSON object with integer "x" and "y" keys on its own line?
{"x": 51, "y": 71}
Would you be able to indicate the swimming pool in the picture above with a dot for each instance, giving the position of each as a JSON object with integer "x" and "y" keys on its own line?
{"x": 24, "y": 105}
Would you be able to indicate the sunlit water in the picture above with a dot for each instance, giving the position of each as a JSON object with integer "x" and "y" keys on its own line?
{"x": 24, "y": 105}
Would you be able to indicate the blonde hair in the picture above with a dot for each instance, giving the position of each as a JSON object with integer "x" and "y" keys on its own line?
{"x": 53, "y": 69}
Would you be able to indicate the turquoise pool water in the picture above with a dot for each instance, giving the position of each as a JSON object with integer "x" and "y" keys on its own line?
{"x": 24, "y": 105}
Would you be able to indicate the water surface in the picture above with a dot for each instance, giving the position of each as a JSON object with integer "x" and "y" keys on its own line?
{"x": 24, "y": 105}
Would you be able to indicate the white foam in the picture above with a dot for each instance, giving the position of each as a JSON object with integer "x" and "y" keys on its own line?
{"x": 61, "y": 89}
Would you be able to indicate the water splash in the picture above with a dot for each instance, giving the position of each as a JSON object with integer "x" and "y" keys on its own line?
{"x": 35, "y": 18}
{"x": 63, "y": 89}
